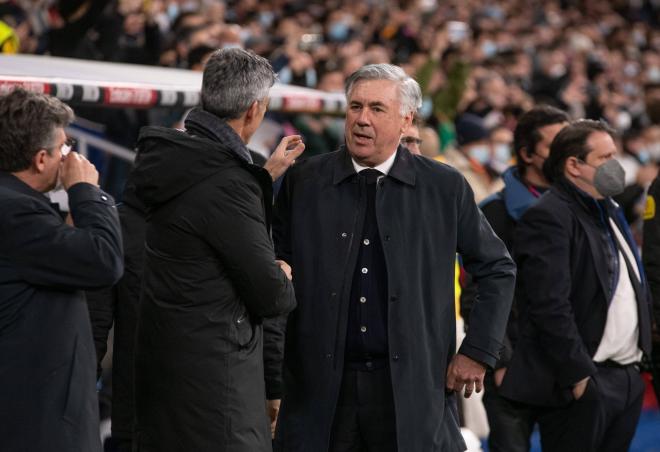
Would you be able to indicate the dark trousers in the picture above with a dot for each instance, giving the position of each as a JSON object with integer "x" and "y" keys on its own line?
{"x": 365, "y": 419}
{"x": 511, "y": 423}
{"x": 604, "y": 419}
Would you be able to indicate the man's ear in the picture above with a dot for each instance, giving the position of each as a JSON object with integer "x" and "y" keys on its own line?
{"x": 527, "y": 157}
{"x": 252, "y": 112}
{"x": 571, "y": 166}
{"x": 39, "y": 160}
{"x": 407, "y": 122}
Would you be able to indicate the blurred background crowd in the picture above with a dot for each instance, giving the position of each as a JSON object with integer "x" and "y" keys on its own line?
{"x": 481, "y": 64}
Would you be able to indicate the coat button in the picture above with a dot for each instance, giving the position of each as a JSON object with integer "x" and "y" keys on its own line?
{"x": 365, "y": 270}
{"x": 333, "y": 294}
{"x": 344, "y": 235}
{"x": 363, "y": 329}
{"x": 328, "y": 355}
{"x": 366, "y": 241}
{"x": 387, "y": 238}
{"x": 395, "y": 356}
{"x": 363, "y": 300}
{"x": 103, "y": 197}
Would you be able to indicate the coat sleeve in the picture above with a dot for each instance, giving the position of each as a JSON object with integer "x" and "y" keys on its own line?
{"x": 542, "y": 250}
{"x": 651, "y": 246}
{"x": 486, "y": 259}
{"x": 48, "y": 252}
{"x": 282, "y": 219}
{"x": 495, "y": 213}
{"x": 101, "y": 304}
{"x": 274, "y": 330}
{"x": 236, "y": 228}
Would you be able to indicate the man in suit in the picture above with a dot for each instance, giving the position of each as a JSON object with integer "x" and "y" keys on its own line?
{"x": 47, "y": 360}
{"x": 511, "y": 423}
{"x": 371, "y": 232}
{"x": 583, "y": 301}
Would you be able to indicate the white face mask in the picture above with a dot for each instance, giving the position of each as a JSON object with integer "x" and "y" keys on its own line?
{"x": 480, "y": 153}
{"x": 502, "y": 153}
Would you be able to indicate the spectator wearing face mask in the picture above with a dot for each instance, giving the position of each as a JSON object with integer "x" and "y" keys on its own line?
{"x": 583, "y": 299}
{"x": 473, "y": 155}
{"x": 510, "y": 424}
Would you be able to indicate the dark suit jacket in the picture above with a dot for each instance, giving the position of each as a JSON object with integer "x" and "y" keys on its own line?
{"x": 426, "y": 213}
{"x": 564, "y": 287}
{"x": 47, "y": 359}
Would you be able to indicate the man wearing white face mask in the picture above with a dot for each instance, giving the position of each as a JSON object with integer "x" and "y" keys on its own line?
{"x": 583, "y": 298}
{"x": 474, "y": 154}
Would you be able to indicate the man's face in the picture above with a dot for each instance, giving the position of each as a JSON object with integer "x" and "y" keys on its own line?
{"x": 411, "y": 140}
{"x": 262, "y": 107}
{"x": 373, "y": 121}
{"x": 603, "y": 149}
{"x": 51, "y": 171}
{"x": 548, "y": 133}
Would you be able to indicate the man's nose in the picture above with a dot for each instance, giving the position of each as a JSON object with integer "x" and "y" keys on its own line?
{"x": 363, "y": 118}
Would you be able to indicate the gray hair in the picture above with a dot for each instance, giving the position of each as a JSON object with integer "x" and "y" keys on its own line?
{"x": 233, "y": 79}
{"x": 410, "y": 94}
{"x": 28, "y": 123}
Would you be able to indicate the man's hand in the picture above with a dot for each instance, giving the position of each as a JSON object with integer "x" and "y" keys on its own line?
{"x": 285, "y": 268}
{"x": 75, "y": 168}
{"x": 273, "y": 409}
{"x": 499, "y": 376}
{"x": 464, "y": 372}
{"x": 580, "y": 387}
{"x": 285, "y": 154}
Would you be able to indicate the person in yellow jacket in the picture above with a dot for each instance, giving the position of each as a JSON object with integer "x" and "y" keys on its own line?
{"x": 9, "y": 42}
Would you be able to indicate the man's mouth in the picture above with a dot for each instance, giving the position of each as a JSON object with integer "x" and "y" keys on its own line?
{"x": 362, "y": 137}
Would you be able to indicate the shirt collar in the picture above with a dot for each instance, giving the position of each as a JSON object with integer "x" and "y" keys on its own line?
{"x": 384, "y": 167}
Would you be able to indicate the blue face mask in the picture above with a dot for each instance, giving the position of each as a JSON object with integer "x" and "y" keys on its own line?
{"x": 266, "y": 18}
{"x": 489, "y": 49}
{"x": 644, "y": 156}
{"x": 172, "y": 11}
{"x": 502, "y": 153}
{"x": 339, "y": 31}
{"x": 480, "y": 153}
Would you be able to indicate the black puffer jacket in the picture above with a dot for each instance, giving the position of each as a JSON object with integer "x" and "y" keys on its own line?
{"x": 210, "y": 277}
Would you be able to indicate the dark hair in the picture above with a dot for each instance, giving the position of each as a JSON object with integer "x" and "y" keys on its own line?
{"x": 526, "y": 134}
{"x": 233, "y": 79}
{"x": 27, "y": 124}
{"x": 571, "y": 141}
{"x": 197, "y": 54}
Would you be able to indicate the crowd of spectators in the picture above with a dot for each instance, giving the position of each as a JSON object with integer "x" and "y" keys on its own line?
{"x": 489, "y": 60}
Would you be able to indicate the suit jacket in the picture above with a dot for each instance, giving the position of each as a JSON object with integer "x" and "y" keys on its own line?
{"x": 425, "y": 212}
{"x": 47, "y": 360}
{"x": 564, "y": 288}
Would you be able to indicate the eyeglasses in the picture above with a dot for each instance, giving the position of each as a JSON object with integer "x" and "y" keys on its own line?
{"x": 411, "y": 140}
{"x": 67, "y": 146}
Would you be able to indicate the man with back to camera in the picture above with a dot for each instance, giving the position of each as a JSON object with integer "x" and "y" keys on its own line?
{"x": 118, "y": 306}
{"x": 511, "y": 423}
{"x": 47, "y": 361}
{"x": 210, "y": 274}
{"x": 371, "y": 232}
{"x": 585, "y": 318}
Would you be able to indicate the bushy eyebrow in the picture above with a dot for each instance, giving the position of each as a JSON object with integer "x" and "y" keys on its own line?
{"x": 372, "y": 104}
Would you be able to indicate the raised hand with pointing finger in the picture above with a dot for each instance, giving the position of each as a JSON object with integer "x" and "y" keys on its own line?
{"x": 285, "y": 155}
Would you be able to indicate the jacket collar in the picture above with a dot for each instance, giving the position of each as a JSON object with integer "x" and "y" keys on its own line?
{"x": 14, "y": 183}
{"x": 202, "y": 123}
{"x": 402, "y": 169}
{"x": 595, "y": 207}
{"x": 517, "y": 197}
